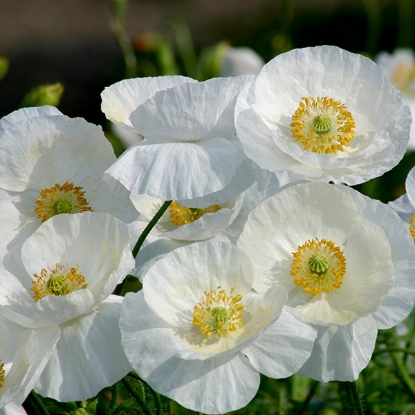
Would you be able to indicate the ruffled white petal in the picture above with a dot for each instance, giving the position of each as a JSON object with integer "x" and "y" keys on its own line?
{"x": 176, "y": 171}
{"x": 267, "y": 105}
{"x": 97, "y": 242}
{"x": 218, "y": 264}
{"x": 122, "y": 98}
{"x": 213, "y": 386}
{"x": 283, "y": 347}
{"x": 340, "y": 353}
{"x": 25, "y": 353}
{"x": 23, "y": 114}
{"x": 190, "y": 111}
{"x": 88, "y": 356}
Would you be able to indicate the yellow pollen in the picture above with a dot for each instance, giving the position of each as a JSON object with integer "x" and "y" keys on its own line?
{"x": 66, "y": 198}
{"x": 318, "y": 266}
{"x": 61, "y": 280}
{"x": 412, "y": 225}
{"x": 322, "y": 125}
{"x": 218, "y": 313}
{"x": 2, "y": 374}
{"x": 182, "y": 215}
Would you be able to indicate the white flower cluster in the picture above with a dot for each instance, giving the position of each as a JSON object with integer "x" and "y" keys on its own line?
{"x": 264, "y": 262}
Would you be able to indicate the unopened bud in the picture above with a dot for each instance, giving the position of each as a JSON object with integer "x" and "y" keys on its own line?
{"x": 49, "y": 94}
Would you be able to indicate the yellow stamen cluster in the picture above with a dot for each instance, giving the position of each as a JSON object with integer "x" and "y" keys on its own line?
{"x": 218, "y": 313}
{"x": 61, "y": 280}
{"x": 2, "y": 374}
{"x": 66, "y": 198}
{"x": 318, "y": 266}
{"x": 412, "y": 225}
{"x": 322, "y": 125}
{"x": 182, "y": 215}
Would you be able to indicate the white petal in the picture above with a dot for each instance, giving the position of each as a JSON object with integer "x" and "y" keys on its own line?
{"x": 51, "y": 144}
{"x": 88, "y": 356}
{"x": 23, "y": 114}
{"x": 122, "y": 98}
{"x": 340, "y": 353}
{"x": 176, "y": 171}
{"x": 218, "y": 264}
{"x": 283, "y": 347}
{"x": 148, "y": 341}
{"x": 97, "y": 242}
{"x": 190, "y": 111}
{"x": 213, "y": 386}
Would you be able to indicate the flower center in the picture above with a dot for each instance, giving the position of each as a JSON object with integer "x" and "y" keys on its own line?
{"x": 403, "y": 77}
{"x": 61, "y": 280}
{"x": 412, "y": 225}
{"x": 182, "y": 215}
{"x": 218, "y": 313}
{"x": 322, "y": 125}
{"x": 66, "y": 198}
{"x": 318, "y": 266}
{"x": 2, "y": 374}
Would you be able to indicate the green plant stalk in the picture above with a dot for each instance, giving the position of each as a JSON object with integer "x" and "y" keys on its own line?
{"x": 311, "y": 393}
{"x": 135, "y": 395}
{"x": 374, "y": 25}
{"x": 114, "y": 397}
{"x": 406, "y": 32}
{"x": 34, "y": 405}
{"x": 403, "y": 374}
{"x": 354, "y": 398}
{"x": 393, "y": 350}
{"x": 150, "y": 226}
{"x": 118, "y": 29}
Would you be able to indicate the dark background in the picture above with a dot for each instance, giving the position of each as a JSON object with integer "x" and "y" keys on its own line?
{"x": 71, "y": 40}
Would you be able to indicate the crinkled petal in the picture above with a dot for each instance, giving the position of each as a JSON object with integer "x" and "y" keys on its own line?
{"x": 177, "y": 171}
{"x": 213, "y": 386}
{"x": 23, "y": 114}
{"x": 218, "y": 264}
{"x": 122, "y": 98}
{"x": 283, "y": 347}
{"x": 340, "y": 353}
{"x": 190, "y": 111}
{"x": 381, "y": 115}
{"x": 97, "y": 242}
{"x": 88, "y": 356}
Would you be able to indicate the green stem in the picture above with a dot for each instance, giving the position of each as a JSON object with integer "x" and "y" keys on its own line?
{"x": 34, "y": 405}
{"x": 393, "y": 350}
{"x": 354, "y": 398}
{"x": 118, "y": 28}
{"x": 135, "y": 395}
{"x": 150, "y": 226}
{"x": 374, "y": 25}
{"x": 403, "y": 374}
{"x": 114, "y": 397}
{"x": 308, "y": 398}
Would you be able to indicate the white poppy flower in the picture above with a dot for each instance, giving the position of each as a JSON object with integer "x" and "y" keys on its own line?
{"x": 13, "y": 409}
{"x": 347, "y": 262}
{"x": 23, "y": 114}
{"x": 323, "y": 113}
{"x": 404, "y": 206}
{"x": 189, "y": 149}
{"x": 54, "y": 164}
{"x": 198, "y": 334}
{"x": 67, "y": 271}
{"x": 23, "y": 355}
{"x": 120, "y": 99}
{"x": 240, "y": 61}
{"x": 399, "y": 67}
